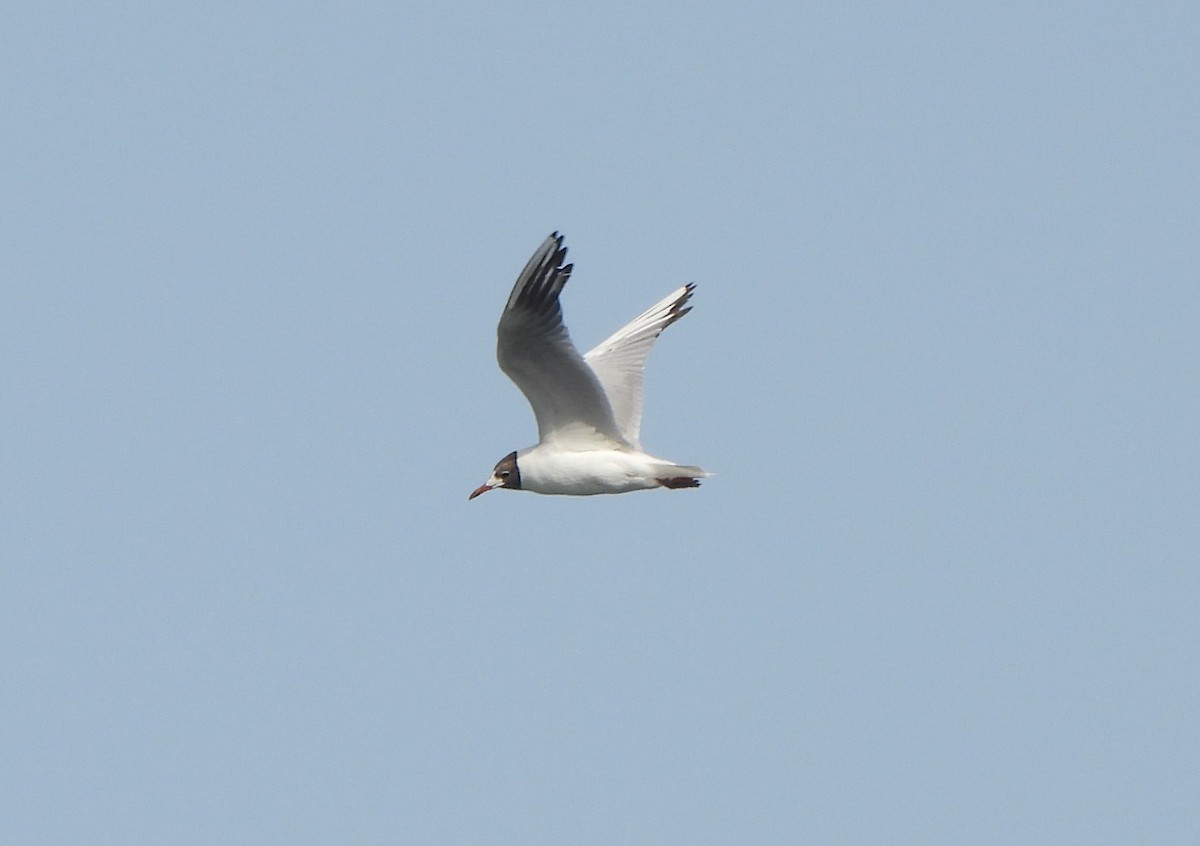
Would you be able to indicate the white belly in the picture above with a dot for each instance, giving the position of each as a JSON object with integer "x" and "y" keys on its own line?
{"x": 586, "y": 473}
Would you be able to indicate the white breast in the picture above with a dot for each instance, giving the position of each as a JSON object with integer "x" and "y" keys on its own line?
{"x": 553, "y": 471}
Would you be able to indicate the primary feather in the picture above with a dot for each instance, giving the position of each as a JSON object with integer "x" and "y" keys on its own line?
{"x": 536, "y": 352}
{"x": 619, "y": 361}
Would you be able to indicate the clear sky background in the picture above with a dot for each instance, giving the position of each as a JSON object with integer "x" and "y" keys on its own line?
{"x": 943, "y": 358}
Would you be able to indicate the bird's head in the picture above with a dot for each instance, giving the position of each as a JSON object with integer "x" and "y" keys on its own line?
{"x": 505, "y": 474}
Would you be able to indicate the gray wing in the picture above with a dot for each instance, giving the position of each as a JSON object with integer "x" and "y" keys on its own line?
{"x": 620, "y": 361}
{"x": 534, "y": 350}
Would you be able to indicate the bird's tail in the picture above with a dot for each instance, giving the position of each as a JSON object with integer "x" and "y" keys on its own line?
{"x": 680, "y": 476}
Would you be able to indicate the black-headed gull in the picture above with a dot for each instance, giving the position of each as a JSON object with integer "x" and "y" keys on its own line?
{"x": 588, "y": 407}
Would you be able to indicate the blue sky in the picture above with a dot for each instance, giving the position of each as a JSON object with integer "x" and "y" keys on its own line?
{"x": 943, "y": 359}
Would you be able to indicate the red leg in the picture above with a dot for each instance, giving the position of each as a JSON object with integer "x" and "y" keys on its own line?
{"x": 676, "y": 482}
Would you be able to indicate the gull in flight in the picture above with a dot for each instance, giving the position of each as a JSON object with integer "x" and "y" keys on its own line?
{"x": 588, "y": 407}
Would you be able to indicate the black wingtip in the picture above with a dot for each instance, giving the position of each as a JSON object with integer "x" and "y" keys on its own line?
{"x": 680, "y": 307}
{"x": 559, "y": 254}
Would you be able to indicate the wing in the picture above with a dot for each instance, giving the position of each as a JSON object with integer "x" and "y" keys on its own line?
{"x": 534, "y": 350}
{"x": 619, "y": 362}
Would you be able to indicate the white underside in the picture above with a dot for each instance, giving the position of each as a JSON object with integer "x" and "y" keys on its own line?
{"x": 552, "y": 470}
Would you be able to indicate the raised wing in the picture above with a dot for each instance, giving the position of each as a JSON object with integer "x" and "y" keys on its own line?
{"x": 534, "y": 350}
{"x": 620, "y": 361}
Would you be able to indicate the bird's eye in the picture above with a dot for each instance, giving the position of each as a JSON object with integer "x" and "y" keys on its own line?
{"x": 503, "y": 474}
